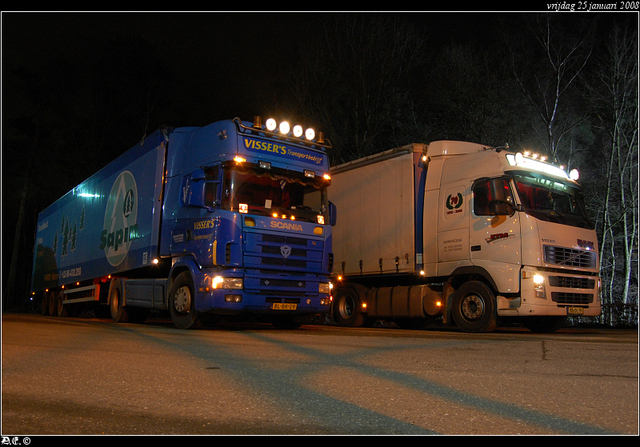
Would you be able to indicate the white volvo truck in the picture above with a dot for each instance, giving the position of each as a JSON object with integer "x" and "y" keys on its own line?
{"x": 474, "y": 234}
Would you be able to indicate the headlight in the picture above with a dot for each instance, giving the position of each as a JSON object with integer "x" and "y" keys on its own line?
{"x": 538, "y": 283}
{"x": 538, "y": 280}
{"x": 324, "y": 288}
{"x": 220, "y": 282}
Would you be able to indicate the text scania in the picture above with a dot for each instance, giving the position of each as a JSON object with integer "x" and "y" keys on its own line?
{"x": 286, "y": 226}
{"x": 118, "y": 237}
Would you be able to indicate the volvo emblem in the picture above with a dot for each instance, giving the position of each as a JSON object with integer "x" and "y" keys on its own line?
{"x": 285, "y": 250}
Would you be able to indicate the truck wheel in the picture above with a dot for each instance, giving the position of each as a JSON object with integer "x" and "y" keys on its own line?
{"x": 346, "y": 307}
{"x": 116, "y": 304}
{"x": 45, "y": 303}
{"x": 51, "y": 302}
{"x": 61, "y": 310}
{"x": 182, "y": 305}
{"x": 474, "y": 307}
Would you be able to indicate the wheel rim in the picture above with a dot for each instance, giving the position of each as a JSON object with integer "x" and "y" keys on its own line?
{"x": 347, "y": 307}
{"x": 182, "y": 300}
{"x": 472, "y": 307}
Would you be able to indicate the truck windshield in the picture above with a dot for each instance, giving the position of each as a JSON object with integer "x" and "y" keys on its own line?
{"x": 552, "y": 200}
{"x": 266, "y": 192}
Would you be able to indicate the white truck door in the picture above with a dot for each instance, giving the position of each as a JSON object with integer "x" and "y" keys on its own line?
{"x": 494, "y": 232}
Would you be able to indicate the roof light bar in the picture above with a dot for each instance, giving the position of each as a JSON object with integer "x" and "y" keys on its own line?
{"x": 284, "y": 129}
{"x": 539, "y": 163}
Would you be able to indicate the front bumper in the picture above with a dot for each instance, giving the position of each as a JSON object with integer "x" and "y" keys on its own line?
{"x": 554, "y": 293}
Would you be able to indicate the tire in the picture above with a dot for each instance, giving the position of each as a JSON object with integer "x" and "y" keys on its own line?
{"x": 61, "y": 310}
{"x": 182, "y": 305}
{"x": 474, "y": 307}
{"x": 347, "y": 307}
{"x": 44, "y": 303}
{"x": 51, "y": 303}
{"x": 116, "y": 302}
{"x": 121, "y": 313}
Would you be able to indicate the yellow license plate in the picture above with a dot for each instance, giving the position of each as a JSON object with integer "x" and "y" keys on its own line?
{"x": 284, "y": 306}
{"x": 575, "y": 311}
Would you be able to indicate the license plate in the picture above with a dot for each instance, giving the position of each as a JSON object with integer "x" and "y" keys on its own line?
{"x": 284, "y": 306}
{"x": 575, "y": 311}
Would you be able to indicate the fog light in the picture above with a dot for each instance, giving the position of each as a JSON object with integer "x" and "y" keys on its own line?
{"x": 233, "y": 298}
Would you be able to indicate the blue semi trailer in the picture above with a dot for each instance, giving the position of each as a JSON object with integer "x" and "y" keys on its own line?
{"x": 228, "y": 219}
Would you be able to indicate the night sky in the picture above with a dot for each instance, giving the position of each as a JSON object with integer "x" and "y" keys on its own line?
{"x": 235, "y": 55}
{"x": 230, "y": 54}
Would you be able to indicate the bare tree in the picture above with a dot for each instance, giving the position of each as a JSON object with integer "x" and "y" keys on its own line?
{"x": 470, "y": 97}
{"x": 616, "y": 98}
{"x": 546, "y": 72}
{"x": 358, "y": 80}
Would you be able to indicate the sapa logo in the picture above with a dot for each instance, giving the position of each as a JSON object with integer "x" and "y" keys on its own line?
{"x": 120, "y": 218}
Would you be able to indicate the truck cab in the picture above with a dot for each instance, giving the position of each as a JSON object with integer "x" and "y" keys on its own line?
{"x": 247, "y": 217}
{"x": 520, "y": 224}
{"x": 478, "y": 234}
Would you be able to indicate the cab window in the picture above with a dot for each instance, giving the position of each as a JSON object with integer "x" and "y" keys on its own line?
{"x": 492, "y": 197}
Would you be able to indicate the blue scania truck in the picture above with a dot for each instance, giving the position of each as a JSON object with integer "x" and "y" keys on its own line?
{"x": 230, "y": 219}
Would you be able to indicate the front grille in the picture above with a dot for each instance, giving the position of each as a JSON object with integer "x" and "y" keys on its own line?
{"x": 279, "y": 239}
{"x": 282, "y": 251}
{"x": 293, "y": 284}
{"x": 569, "y": 257}
{"x": 275, "y": 250}
{"x": 281, "y": 262}
{"x": 571, "y": 282}
{"x": 572, "y": 298}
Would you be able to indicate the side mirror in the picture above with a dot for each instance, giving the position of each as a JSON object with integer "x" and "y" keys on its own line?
{"x": 197, "y": 175}
{"x": 501, "y": 208}
{"x": 193, "y": 189}
{"x": 333, "y": 211}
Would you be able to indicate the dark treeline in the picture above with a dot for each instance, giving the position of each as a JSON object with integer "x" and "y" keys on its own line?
{"x": 560, "y": 84}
